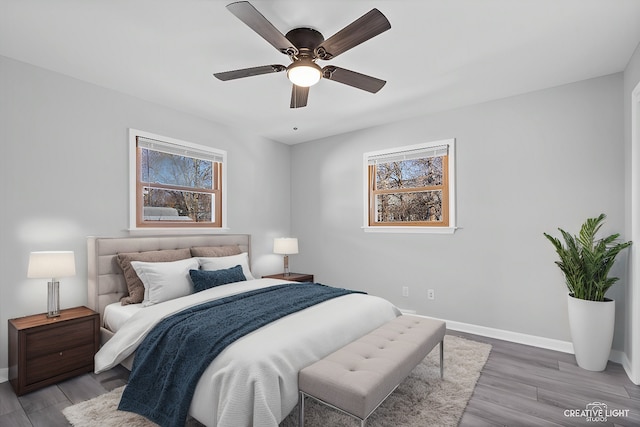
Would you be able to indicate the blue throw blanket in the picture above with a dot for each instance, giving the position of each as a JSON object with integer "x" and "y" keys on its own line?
{"x": 173, "y": 356}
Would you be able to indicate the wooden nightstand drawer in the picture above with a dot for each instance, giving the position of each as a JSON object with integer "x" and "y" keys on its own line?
{"x": 44, "y": 351}
{"x": 59, "y": 338}
{"x": 59, "y": 363}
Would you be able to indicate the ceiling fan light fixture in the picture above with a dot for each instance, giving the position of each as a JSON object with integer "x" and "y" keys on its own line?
{"x": 304, "y": 73}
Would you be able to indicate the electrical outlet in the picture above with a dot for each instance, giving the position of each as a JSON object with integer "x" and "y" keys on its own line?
{"x": 405, "y": 291}
{"x": 431, "y": 294}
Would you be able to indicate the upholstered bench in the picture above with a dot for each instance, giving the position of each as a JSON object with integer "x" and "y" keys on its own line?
{"x": 357, "y": 378}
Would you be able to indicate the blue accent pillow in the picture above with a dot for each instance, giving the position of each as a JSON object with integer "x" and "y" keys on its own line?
{"x": 206, "y": 279}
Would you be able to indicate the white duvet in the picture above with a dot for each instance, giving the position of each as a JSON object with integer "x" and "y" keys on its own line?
{"x": 254, "y": 382}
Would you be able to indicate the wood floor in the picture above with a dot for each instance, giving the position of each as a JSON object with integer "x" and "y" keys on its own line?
{"x": 519, "y": 386}
{"x": 528, "y": 386}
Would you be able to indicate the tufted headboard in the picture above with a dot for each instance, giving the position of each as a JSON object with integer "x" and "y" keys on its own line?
{"x": 106, "y": 281}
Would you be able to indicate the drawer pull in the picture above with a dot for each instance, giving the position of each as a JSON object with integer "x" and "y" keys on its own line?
{"x": 60, "y": 353}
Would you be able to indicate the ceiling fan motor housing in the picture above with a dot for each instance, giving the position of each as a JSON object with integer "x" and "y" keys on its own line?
{"x": 306, "y": 40}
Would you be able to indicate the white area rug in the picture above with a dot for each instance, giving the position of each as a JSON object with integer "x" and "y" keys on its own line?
{"x": 423, "y": 399}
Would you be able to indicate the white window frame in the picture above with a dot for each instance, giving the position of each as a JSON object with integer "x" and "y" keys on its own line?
{"x": 133, "y": 135}
{"x": 450, "y": 229}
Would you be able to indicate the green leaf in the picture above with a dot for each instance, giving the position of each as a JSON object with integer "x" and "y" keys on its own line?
{"x": 587, "y": 261}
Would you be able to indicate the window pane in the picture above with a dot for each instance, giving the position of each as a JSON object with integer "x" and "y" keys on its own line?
{"x": 172, "y": 169}
{"x": 172, "y": 205}
{"x": 409, "y": 173}
{"x": 424, "y": 206}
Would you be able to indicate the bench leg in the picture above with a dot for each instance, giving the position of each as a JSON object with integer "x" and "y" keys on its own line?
{"x": 301, "y": 409}
{"x": 442, "y": 359}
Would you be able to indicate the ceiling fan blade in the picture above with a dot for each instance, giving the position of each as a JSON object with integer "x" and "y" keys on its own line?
{"x": 244, "y": 11}
{"x": 299, "y": 96}
{"x": 351, "y": 78}
{"x": 249, "y": 72}
{"x": 362, "y": 29}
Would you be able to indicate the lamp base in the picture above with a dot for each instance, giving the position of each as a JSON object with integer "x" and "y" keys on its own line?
{"x": 53, "y": 299}
{"x": 286, "y": 265}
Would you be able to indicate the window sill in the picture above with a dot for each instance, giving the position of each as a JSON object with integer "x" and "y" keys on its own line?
{"x": 410, "y": 230}
{"x": 155, "y": 231}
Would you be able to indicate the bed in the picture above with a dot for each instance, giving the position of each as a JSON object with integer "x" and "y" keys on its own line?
{"x": 254, "y": 380}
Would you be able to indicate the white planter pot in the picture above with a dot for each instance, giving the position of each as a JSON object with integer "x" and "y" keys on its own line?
{"x": 591, "y": 324}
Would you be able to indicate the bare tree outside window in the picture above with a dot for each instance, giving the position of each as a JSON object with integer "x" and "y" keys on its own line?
{"x": 172, "y": 172}
{"x": 177, "y": 184}
{"x": 413, "y": 206}
{"x": 409, "y": 188}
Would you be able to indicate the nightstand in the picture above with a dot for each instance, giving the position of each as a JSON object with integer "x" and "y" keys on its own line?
{"x": 44, "y": 351}
{"x": 294, "y": 277}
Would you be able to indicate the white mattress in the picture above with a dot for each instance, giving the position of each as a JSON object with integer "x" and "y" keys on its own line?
{"x": 116, "y": 314}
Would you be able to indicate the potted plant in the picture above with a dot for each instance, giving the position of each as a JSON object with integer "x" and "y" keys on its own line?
{"x": 586, "y": 262}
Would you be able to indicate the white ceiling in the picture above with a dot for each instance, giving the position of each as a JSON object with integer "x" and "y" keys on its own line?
{"x": 438, "y": 54}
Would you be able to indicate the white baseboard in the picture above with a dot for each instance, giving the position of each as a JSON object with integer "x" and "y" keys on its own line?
{"x": 626, "y": 364}
{"x": 4, "y": 375}
{"x": 517, "y": 337}
{"x": 618, "y": 357}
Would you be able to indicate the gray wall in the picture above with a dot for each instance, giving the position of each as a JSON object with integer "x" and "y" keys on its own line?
{"x": 525, "y": 165}
{"x": 64, "y": 176}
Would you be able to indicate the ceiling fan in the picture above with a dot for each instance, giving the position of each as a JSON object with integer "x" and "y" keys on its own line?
{"x": 304, "y": 46}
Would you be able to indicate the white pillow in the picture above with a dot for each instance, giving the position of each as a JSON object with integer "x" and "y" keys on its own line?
{"x": 164, "y": 281}
{"x": 223, "y": 262}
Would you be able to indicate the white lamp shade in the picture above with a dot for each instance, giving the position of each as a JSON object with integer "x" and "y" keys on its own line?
{"x": 285, "y": 245}
{"x": 51, "y": 264}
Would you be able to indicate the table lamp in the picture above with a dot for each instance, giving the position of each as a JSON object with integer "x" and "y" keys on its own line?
{"x": 52, "y": 264}
{"x": 285, "y": 246}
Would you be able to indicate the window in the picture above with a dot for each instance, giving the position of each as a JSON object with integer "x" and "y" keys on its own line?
{"x": 410, "y": 188}
{"x": 175, "y": 183}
